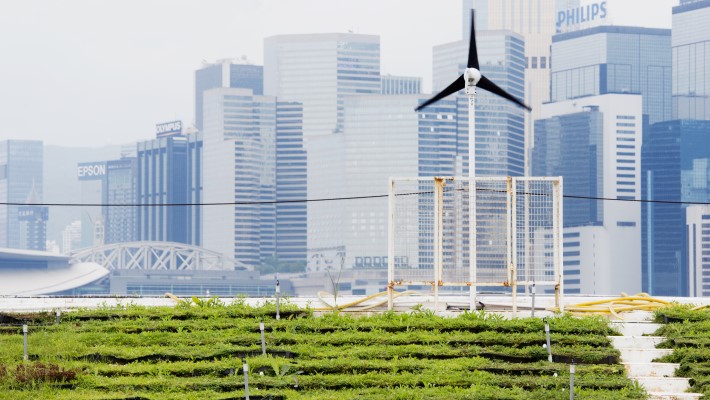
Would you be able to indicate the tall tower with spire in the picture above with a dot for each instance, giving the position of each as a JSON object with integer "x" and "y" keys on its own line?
{"x": 33, "y": 220}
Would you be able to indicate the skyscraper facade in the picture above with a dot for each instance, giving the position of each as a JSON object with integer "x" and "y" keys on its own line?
{"x": 253, "y": 155}
{"x": 120, "y": 222}
{"x": 382, "y": 138}
{"x": 698, "y": 229}
{"x": 676, "y": 169}
{"x": 21, "y": 163}
{"x": 320, "y": 71}
{"x": 614, "y": 59}
{"x": 291, "y": 185}
{"x": 225, "y": 73}
{"x": 170, "y": 172}
{"x": 594, "y": 143}
{"x": 400, "y": 84}
{"x": 535, "y": 21}
{"x": 691, "y": 60}
{"x": 500, "y": 130}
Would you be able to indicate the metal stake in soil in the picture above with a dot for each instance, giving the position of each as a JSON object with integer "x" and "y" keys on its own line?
{"x": 263, "y": 342}
{"x": 24, "y": 334}
{"x": 245, "y": 368}
{"x": 278, "y": 300}
{"x": 532, "y": 308}
{"x": 571, "y": 381}
{"x": 547, "y": 336}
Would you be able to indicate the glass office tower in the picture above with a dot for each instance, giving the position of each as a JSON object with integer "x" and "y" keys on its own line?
{"x": 21, "y": 163}
{"x": 320, "y": 71}
{"x": 500, "y": 131}
{"x": 691, "y": 60}
{"x": 170, "y": 172}
{"x": 614, "y": 59}
{"x": 676, "y": 168}
{"x": 225, "y": 73}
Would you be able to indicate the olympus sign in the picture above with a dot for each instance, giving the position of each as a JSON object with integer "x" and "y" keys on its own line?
{"x": 91, "y": 171}
{"x": 168, "y": 128}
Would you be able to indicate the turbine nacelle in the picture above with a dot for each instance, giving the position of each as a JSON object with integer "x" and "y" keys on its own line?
{"x": 471, "y": 76}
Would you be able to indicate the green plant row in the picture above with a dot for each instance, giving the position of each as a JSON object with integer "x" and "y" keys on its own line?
{"x": 475, "y": 392}
{"x": 140, "y": 319}
{"x": 240, "y": 337}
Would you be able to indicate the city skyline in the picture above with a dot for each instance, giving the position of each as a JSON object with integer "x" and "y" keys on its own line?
{"x": 113, "y": 85}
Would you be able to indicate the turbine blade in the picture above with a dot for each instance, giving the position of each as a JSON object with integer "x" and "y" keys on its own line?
{"x": 472, "y": 51}
{"x": 457, "y": 85}
{"x": 486, "y": 84}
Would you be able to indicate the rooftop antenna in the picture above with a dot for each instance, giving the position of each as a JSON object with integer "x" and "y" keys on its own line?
{"x": 469, "y": 80}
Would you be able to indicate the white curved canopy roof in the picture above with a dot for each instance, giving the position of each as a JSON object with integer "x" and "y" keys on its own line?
{"x": 31, "y": 281}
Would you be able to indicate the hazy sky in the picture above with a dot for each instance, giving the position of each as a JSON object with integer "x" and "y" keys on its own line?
{"x": 98, "y": 72}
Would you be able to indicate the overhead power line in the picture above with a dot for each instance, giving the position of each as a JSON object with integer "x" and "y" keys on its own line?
{"x": 236, "y": 203}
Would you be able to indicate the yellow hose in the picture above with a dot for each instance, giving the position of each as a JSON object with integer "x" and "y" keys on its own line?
{"x": 331, "y": 307}
{"x": 625, "y": 303}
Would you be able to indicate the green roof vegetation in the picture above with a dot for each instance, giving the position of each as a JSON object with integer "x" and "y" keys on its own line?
{"x": 196, "y": 351}
{"x": 687, "y": 332}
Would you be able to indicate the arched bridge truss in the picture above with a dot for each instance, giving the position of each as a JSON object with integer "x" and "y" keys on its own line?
{"x": 167, "y": 256}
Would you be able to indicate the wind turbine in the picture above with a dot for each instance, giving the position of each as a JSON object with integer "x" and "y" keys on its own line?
{"x": 469, "y": 80}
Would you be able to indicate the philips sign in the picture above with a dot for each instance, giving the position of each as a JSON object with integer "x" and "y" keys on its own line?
{"x": 573, "y": 17}
{"x": 91, "y": 171}
{"x": 168, "y": 129}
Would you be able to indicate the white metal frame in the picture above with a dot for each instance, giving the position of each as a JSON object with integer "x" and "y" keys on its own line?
{"x": 511, "y": 237}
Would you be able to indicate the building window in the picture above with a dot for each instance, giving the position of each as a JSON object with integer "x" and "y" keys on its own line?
{"x": 534, "y": 63}
{"x": 543, "y": 62}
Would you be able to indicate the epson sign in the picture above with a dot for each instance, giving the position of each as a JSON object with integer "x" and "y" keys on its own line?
{"x": 580, "y": 15}
{"x": 91, "y": 171}
{"x": 168, "y": 128}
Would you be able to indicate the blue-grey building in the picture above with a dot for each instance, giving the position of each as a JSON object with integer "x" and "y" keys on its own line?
{"x": 291, "y": 185}
{"x": 691, "y": 60}
{"x": 170, "y": 172}
{"x": 226, "y": 74}
{"x": 21, "y": 163}
{"x": 320, "y": 71}
{"x": 614, "y": 59}
{"x": 594, "y": 143}
{"x": 111, "y": 183}
{"x": 571, "y": 146}
{"x": 500, "y": 124}
{"x": 400, "y": 84}
{"x": 253, "y": 156}
{"x": 676, "y": 168}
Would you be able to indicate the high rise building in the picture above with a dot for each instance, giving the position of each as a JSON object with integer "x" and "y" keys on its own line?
{"x": 382, "y": 138}
{"x": 170, "y": 172}
{"x": 114, "y": 183}
{"x": 20, "y": 171}
{"x": 594, "y": 143}
{"x": 291, "y": 185}
{"x": 227, "y": 74}
{"x": 33, "y": 222}
{"x": 500, "y": 131}
{"x": 614, "y": 59}
{"x": 698, "y": 228}
{"x": 400, "y": 84}
{"x": 676, "y": 167}
{"x": 253, "y": 155}
{"x": 320, "y": 71}
{"x": 71, "y": 237}
{"x": 535, "y": 21}
{"x": 691, "y": 60}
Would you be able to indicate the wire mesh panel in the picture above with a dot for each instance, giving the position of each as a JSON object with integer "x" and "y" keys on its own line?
{"x": 536, "y": 231}
{"x": 515, "y": 222}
